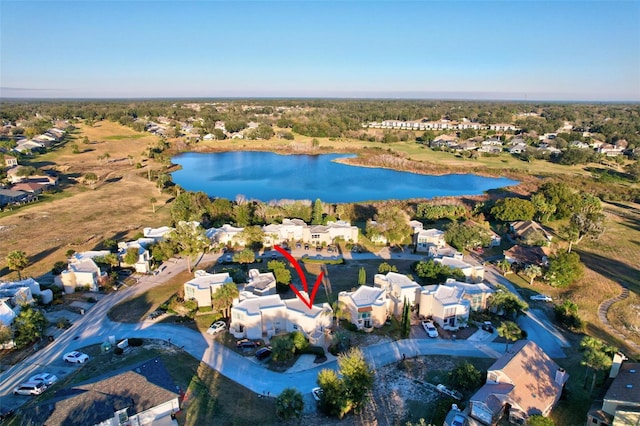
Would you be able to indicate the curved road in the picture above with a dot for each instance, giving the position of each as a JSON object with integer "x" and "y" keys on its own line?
{"x": 95, "y": 327}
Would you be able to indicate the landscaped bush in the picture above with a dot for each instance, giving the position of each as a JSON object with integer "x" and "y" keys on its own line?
{"x": 313, "y": 350}
{"x": 339, "y": 261}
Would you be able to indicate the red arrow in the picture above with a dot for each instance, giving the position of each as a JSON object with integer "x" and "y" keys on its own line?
{"x": 303, "y": 278}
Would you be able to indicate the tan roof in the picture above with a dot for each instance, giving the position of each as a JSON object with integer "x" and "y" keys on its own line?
{"x": 533, "y": 375}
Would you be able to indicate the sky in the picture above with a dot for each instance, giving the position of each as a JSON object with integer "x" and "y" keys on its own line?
{"x": 577, "y": 50}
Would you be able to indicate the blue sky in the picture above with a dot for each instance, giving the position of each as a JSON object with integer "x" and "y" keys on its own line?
{"x": 554, "y": 50}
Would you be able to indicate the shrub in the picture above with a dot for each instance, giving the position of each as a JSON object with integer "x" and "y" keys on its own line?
{"x": 313, "y": 350}
{"x": 118, "y": 351}
{"x": 339, "y": 261}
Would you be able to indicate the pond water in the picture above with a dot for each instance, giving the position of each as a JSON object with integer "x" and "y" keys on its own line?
{"x": 267, "y": 176}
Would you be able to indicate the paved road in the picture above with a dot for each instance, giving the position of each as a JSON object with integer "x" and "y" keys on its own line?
{"x": 95, "y": 328}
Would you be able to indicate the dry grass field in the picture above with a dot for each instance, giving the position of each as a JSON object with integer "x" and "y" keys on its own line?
{"x": 117, "y": 206}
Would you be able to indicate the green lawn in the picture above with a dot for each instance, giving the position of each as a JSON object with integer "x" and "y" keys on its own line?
{"x": 121, "y": 137}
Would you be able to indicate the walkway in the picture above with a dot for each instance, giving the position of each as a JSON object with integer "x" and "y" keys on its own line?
{"x": 603, "y": 310}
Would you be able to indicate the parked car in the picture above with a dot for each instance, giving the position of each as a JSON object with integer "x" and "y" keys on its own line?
{"x": 542, "y": 298}
{"x": 246, "y": 343}
{"x": 46, "y": 378}
{"x": 263, "y": 353}
{"x": 217, "y": 327}
{"x": 452, "y": 393}
{"x": 76, "y": 357}
{"x": 430, "y": 328}
{"x": 487, "y": 326}
{"x": 30, "y": 388}
{"x": 317, "y": 393}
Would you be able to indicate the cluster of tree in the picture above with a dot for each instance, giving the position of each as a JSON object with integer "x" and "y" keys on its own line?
{"x": 467, "y": 235}
{"x": 392, "y": 224}
{"x": 282, "y": 274}
{"x": 567, "y": 314}
{"x": 564, "y": 269}
{"x": 597, "y": 356}
{"x": 348, "y": 388}
{"x": 285, "y": 347}
{"x": 431, "y": 272}
{"x": 433, "y": 212}
{"x": 507, "y": 303}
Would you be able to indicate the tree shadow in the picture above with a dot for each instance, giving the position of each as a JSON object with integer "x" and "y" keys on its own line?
{"x": 614, "y": 269}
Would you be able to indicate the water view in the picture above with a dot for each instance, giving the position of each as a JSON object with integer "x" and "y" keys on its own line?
{"x": 267, "y": 176}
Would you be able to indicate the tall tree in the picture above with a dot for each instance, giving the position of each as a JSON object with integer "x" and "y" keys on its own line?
{"x": 394, "y": 225}
{"x": 510, "y": 209}
{"x": 564, "y": 269}
{"x": 362, "y": 276}
{"x": 597, "y": 356}
{"x": 506, "y": 302}
{"x": 253, "y": 236}
{"x": 318, "y": 212}
{"x": 244, "y": 257}
{"x": 17, "y": 260}
{"x": 190, "y": 240}
{"x": 153, "y": 203}
{"x": 333, "y": 399}
{"x": 223, "y": 298}
{"x": 510, "y": 331}
{"x": 406, "y": 319}
{"x": 29, "y": 326}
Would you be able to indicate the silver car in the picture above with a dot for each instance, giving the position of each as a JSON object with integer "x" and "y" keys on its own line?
{"x": 30, "y": 388}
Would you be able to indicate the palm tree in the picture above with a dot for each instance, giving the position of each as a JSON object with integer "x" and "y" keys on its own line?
{"x": 596, "y": 357}
{"x": 223, "y": 298}
{"x": 153, "y": 203}
{"x": 17, "y": 260}
{"x": 510, "y": 331}
{"x": 532, "y": 272}
{"x": 340, "y": 312}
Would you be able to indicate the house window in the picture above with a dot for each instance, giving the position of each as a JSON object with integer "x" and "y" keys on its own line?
{"x": 594, "y": 421}
{"x": 315, "y": 236}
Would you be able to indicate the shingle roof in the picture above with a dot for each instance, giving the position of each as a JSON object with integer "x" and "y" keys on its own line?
{"x": 92, "y": 402}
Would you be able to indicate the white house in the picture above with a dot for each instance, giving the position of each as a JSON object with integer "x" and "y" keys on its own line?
{"x": 474, "y": 274}
{"x": 288, "y": 230}
{"x": 398, "y": 288}
{"x": 7, "y": 314}
{"x": 203, "y": 285}
{"x": 261, "y": 283}
{"x": 143, "y": 263}
{"x": 253, "y": 317}
{"x": 82, "y": 272}
{"x": 157, "y": 234}
{"x": 367, "y": 306}
{"x": 446, "y": 305}
{"x": 477, "y": 294}
{"x": 428, "y": 239}
{"x": 331, "y": 232}
{"x": 224, "y": 235}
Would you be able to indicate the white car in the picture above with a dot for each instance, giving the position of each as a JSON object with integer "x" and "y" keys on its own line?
{"x": 217, "y": 327}
{"x": 46, "y": 378}
{"x": 30, "y": 388}
{"x": 541, "y": 298}
{"x": 430, "y": 328}
{"x": 76, "y": 357}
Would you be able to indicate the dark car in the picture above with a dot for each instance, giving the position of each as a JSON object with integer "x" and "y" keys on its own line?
{"x": 263, "y": 353}
{"x": 245, "y": 343}
{"x": 487, "y": 326}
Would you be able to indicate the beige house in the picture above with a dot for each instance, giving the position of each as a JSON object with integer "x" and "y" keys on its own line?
{"x": 254, "y": 317}
{"x": 330, "y": 233}
{"x": 446, "y": 305}
{"x": 473, "y": 274}
{"x": 398, "y": 288}
{"x": 621, "y": 403}
{"x": 476, "y": 293}
{"x": 203, "y": 285}
{"x": 82, "y": 272}
{"x": 367, "y": 306}
{"x": 426, "y": 240}
{"x": 288, "y": 230}
{"x": 225, "y": 235}
{"x": 524, "y": 379}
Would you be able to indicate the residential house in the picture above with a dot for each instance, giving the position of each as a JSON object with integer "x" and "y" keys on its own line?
{"x": 398, "y": 288}
{"x": 289, "y": 230}
{"x": 10, "y": 161}
{"x": 523, "y": 382}
{"x": 253, "y": 317}
{"x": 330, "y": 233}
{"x": 20, "y": 292}
{"x": 33, "y": 188}
{"x": 366, "y": 306}
{"x": 261, "y": 283}
{"x": 28, "y": 145}
{"x": 621, "y": 402}
{"x": 446, "y": 305}
{"x": 7, "y": 312}
{"x": 610, "y": 150}
{"x": 503, "y": 127}
{"x": 203, "y": 285}
{"x": 473, "y": 274}
{"x": 579, "y": 144}
{"x": 82, "y": 272}
{"x": 428, "y": 240}
{"x": 143, "y": 395}
{"x": 157, "y": 234}
{"x": 527, "y": 255}
{"x": 476, "y": 293}
{"x": 529, "y": 232}
{"x": 518, "y": 148}
{"x": 9, "y": 196}
{"x": 225, "y": 235}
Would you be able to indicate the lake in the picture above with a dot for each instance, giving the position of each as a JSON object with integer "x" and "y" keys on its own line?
{"x": 267, "y": 176}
